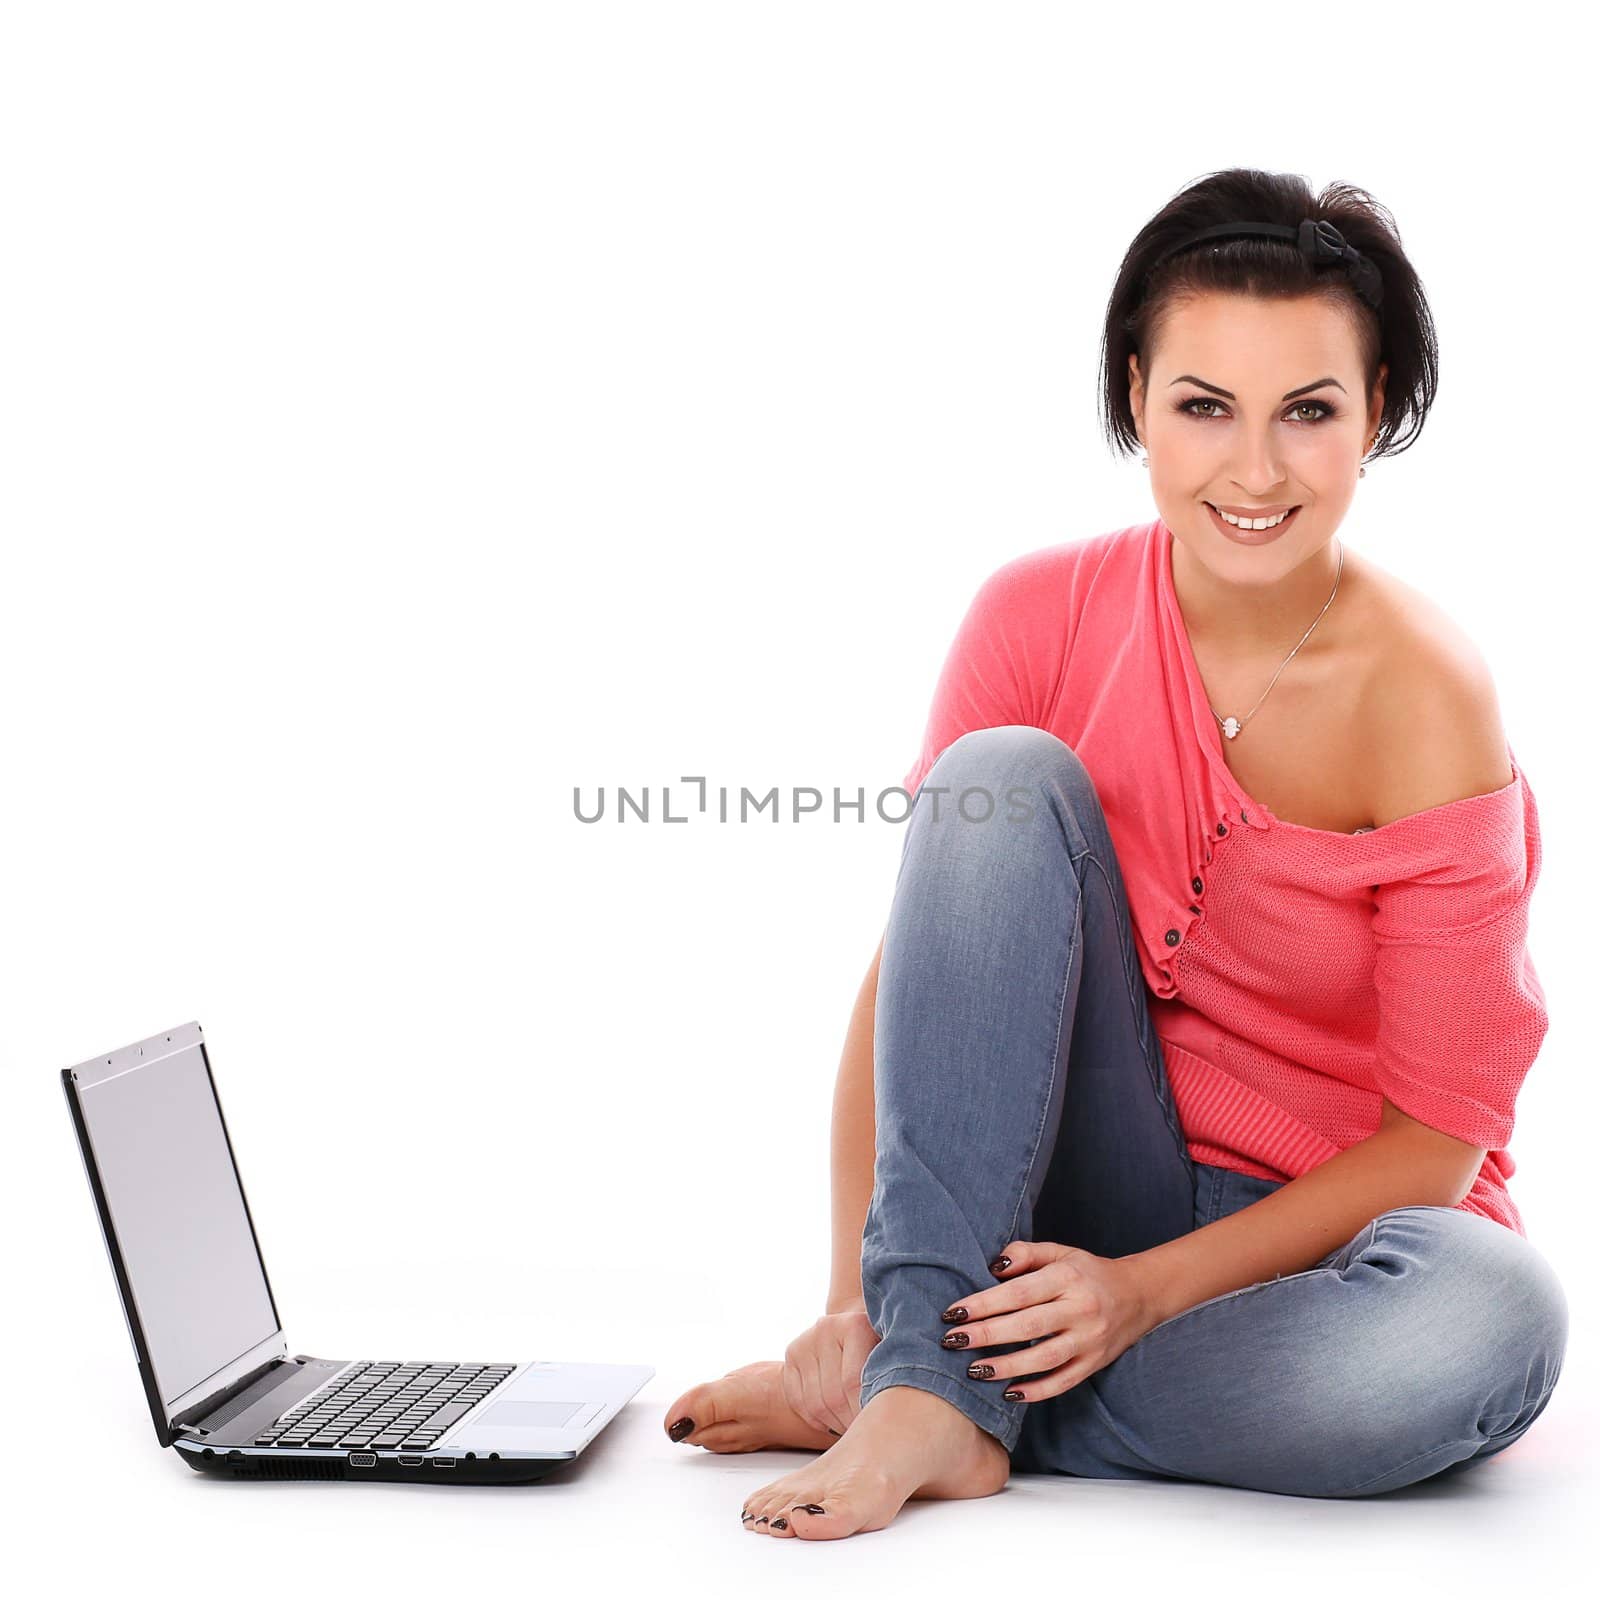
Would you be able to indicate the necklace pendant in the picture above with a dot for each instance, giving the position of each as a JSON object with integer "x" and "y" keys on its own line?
{"x": 1231, "y": 727}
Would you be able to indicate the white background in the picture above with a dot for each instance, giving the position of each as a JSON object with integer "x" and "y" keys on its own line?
{"x": 415, "y": 411}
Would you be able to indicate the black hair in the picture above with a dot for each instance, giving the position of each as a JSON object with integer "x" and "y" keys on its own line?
{"x": 1402, "y": 334}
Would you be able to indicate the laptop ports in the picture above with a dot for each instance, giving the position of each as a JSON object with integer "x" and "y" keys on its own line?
{"x": 410, "y": 1461}
{"x": 362, "y": 1458}
{"x": 445, "y": 1463}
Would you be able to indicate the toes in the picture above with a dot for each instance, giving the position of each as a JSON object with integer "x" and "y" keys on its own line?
{"x": 807, "y": 1520}
{"x": 769, "y": 1508}
{"x": 693, "y": 1410}
{"x": 825, "y": 1519}
{"x": 724, "y": 1438}
{"x": 700, "y": 1409}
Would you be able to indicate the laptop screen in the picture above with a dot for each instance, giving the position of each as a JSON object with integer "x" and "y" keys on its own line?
{"x": 179, "y": 1216}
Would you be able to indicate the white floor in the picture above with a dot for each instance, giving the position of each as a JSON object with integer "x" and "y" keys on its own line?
{"x": 638, "y": 1514}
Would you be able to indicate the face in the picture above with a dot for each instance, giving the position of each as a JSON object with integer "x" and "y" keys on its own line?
{"x": 1254, "y": 406}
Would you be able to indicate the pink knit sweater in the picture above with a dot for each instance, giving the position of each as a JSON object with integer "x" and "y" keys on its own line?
{"x": 1296, "y": 976}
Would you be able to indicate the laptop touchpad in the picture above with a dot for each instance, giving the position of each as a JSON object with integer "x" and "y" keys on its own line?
{"x": 530, "y": 1414}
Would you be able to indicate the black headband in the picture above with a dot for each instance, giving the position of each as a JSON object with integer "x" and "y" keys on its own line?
{"x": 1320, "y": 243}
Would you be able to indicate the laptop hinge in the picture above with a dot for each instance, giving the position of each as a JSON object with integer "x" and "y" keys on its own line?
{"x": 187, "y": 1423}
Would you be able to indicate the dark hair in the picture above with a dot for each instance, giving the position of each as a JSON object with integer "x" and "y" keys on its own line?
{"x": 1401, "y": 335}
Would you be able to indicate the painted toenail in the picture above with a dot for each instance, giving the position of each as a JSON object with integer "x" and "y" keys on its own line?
{"x": 956, "y": 1341}
{"x": 680, "y": 1429}
{"x": 761, "y": 1519}
{"x": 782, "y": 1522}
{"x": 746, "y": 1516}
{"x": 815, "y": 1511}
{"x": 954, "y": 1314}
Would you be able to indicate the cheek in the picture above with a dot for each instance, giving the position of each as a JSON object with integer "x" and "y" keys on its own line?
{"x": 1325, "y": 467}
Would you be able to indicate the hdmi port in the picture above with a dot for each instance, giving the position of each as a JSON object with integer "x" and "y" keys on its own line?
{"x": 410, "y": 1461}
{"x": 445, "y": 1463}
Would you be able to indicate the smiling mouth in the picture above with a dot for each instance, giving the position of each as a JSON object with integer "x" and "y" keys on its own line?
{"x": 1255, "y": 516}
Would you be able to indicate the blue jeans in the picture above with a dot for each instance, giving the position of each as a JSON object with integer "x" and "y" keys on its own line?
{"x": 1021, "y": 1093}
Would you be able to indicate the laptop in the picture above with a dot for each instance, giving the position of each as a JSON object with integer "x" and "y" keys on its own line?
{"x": 222, "y": 1387}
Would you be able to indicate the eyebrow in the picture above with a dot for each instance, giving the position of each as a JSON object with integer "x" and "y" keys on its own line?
{"x": 1292, "y": 394}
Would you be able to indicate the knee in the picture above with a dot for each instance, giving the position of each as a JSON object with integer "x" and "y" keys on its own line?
{"x": 1014, "y": 755}
{"x": 1475, "y": 1314}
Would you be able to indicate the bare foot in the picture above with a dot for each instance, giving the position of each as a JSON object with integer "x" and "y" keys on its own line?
{"x": 744, "y": 1411}
{"x": 904, "y": 1444}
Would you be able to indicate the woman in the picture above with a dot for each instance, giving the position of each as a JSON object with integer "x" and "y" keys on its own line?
{"x": 1183, "y": 1076}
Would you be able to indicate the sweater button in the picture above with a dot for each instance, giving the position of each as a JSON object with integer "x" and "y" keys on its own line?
{"x": 1173, "y": 936}
{"x": 1196, "y": 885}
{"x": 1222, "y": 830}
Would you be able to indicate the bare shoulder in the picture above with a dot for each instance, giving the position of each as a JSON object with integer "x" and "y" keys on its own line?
{"x": 1429, "y": 704}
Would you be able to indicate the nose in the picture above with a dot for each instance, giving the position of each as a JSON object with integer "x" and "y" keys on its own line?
{"x": 1255, "y": 466}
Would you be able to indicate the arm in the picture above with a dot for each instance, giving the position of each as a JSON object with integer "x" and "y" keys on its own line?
{"x": 854, "y": 1145}
{"x": 1404, "y": 1163}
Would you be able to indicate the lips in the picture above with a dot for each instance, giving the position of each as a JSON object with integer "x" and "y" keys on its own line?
{"x": 1250, "y": 536}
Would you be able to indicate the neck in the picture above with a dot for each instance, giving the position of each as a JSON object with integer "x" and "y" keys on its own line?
{"x": 1255, "y": 618}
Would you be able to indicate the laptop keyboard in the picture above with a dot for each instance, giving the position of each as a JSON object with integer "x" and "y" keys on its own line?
{"x": 384, "y": 1405}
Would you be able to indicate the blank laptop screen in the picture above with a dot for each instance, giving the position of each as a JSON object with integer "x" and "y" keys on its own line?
{"x": 179, "y": 1218}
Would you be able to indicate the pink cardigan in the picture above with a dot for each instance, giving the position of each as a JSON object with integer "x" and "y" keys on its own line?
{"x": 1295, "y": 975}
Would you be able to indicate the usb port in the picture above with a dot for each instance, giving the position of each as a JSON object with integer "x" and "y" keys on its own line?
{"x": 410, "y": 1461}
{"x": 445, "y": 1463}
{"x": 362, "y": 1458}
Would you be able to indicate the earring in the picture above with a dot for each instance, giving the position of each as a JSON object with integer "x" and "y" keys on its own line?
{"x": 1145, "y": 462}
{"x": 1370, "y": 442}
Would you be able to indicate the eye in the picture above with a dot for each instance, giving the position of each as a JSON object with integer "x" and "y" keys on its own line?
{"x": 1321, "y": 409}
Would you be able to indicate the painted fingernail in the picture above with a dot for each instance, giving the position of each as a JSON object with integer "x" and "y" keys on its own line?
{"x": 782, "y": 1522}
{"x": 999, "y": 1264}
{"x": 954, "y": 1314}
{"x": 680, "y": 1429}
{"x": 815, "y": 1511}
{"x": 980, "y": 1369}
{"x": 956, "y": 1341}
{"x": 1015, "y": 1394}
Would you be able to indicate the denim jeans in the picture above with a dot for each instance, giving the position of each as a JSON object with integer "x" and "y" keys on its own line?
{"x": 1021, "y": 1093}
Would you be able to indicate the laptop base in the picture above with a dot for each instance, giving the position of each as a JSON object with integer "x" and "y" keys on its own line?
{"x": 368, "y": 1466}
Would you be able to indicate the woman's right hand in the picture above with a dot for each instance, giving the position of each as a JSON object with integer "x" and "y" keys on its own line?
{"x": 822, "y": 1368}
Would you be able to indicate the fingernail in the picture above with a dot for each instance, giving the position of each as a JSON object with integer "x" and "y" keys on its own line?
{"x": 954, "y": 1314}
{"x": 980, "y": 1369}
{"x": 1015, "y": 1394}
{"x": 956, "y": 1341}
{"x": 999, "y": 1264}
{"x": 679, "y": 1429}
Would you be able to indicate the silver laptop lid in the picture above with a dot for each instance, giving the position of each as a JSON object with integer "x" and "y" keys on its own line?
{"x": 177, "y": 1227}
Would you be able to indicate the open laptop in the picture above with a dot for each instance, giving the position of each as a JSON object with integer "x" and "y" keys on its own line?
{"x": 222, "y": 1386}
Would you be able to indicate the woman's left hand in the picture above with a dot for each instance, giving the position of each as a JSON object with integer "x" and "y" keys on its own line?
{"x": 1086, "y": 1310}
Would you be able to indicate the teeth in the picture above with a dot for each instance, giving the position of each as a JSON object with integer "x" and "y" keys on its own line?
{"x": 1252, "y": 523}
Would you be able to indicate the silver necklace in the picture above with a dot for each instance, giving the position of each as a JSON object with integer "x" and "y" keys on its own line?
{"x": 1232, "y": 725}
